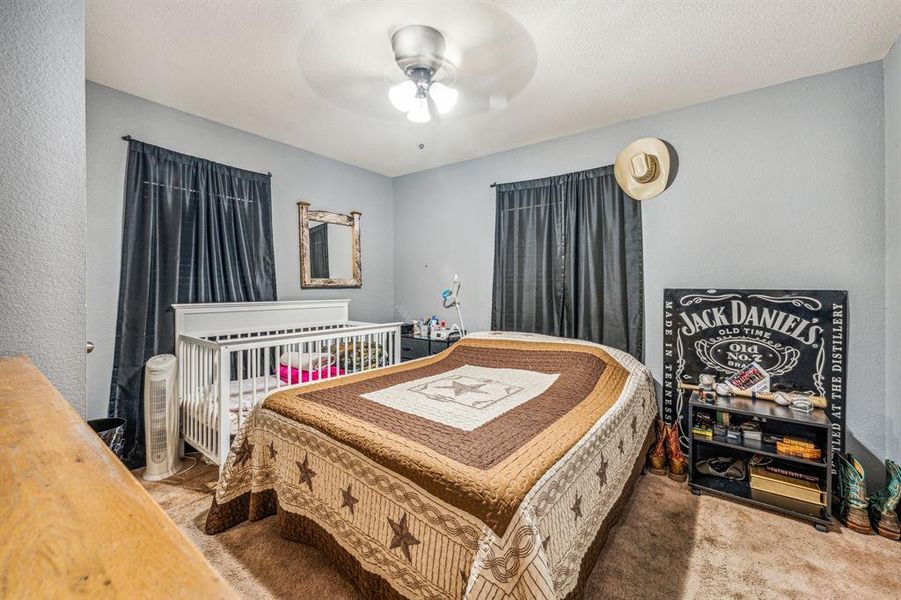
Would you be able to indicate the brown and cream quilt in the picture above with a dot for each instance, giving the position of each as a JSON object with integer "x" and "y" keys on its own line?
{"x": 491, "y": 470}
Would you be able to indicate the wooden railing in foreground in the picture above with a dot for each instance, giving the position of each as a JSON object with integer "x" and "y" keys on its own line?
{"x": 73, "y": 520}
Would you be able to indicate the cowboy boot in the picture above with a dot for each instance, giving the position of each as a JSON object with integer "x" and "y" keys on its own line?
{"x": 657, "y": 454}
{"x": 884, "y": 503}
{"x": 677, "y": 467}
{"x": 852, "y": 496}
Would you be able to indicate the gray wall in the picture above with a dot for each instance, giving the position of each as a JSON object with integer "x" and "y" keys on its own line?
{"x": 892, "y": 74}
{"x": 802, "y": 172}
{"x": 777, "y": 188}
{"x": 42, "y": 189}
{"x": 296, "y": 175}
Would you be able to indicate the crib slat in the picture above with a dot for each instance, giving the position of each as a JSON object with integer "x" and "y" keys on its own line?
{"x": 205, "y": 395}
{"x": 266, "y": 368}
{"x": 212, "y": 414}
{"x": 205, "y": 424}
{"x": 210, "y": 382}
{"x": 196, "y": 386}
{"x": 318, "y": 359}
{"x": 240, "y": 356}
{"x": 194, "y": 375}
{"x": 207, "y": 384}
{"x": 206, "y": 427}
{"x": 253, "y": 377}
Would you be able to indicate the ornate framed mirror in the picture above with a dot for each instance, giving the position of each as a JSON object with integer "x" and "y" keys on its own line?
{"x": 330, "y": 255}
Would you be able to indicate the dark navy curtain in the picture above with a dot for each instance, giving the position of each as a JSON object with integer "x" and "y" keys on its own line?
{"x": 568, "y": 260}
{"x": 193, "y": 231}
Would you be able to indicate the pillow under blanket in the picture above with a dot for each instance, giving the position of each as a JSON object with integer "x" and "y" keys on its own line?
{"x": 305, "y": 361}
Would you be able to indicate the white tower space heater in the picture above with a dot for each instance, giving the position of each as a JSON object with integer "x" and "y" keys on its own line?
{"x": 161, "y": 418}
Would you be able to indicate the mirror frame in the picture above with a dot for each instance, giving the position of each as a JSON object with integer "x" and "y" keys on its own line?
{"x": 304, "y": 216}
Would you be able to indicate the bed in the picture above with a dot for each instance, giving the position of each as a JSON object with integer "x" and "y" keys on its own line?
{"x": 491, "y": 470}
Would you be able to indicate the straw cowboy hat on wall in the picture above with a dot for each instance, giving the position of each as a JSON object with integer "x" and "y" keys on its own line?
{"x": 645, "y": 168}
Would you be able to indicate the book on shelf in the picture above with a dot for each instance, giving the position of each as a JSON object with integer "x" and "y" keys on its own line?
{"x": 790, "y": 441}
{"x": 785, "y": 485}
{"x": 798, "y": 451}
{"x": 733, "y": 435}
{"x": 790, "y": 473}
{"x": 751, "y": 431}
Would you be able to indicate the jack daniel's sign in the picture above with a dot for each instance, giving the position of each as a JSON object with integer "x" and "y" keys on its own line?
{"x": 798, "y": 337}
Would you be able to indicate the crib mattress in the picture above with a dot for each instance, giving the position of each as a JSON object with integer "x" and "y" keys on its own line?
{"x": 488, "y": 471}
{"x": 241, "y": 398}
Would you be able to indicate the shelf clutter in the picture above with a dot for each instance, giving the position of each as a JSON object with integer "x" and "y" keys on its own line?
{"x": 762, "y": 453}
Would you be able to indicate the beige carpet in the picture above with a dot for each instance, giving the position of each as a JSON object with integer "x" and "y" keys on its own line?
{"x": 669, "y": 544}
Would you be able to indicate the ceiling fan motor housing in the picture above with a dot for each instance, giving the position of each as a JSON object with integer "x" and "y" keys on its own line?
{"x": 418, "y": 47}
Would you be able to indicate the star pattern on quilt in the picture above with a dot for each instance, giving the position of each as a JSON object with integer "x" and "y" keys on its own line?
{"x": 545, "y": 542}
{"x": 634, "y": 425}
{"x": 244, "y": 453}
{"x": 622, "y": 446}
{"x": 602, "y": 472}
{"x": 468, "y": 388}
{"x": 306, "y": 473}
{"x": 402, "y": 538}
{"x": 272, "y": 451}
{"x": 577, "y": 508}
{"x": 348, "y": 499}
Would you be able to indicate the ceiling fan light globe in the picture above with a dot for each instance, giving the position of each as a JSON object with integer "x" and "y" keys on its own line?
{"x": 419, "y": 113}
{"x": 403, "y": 95}
{"x": 444, "y": 97}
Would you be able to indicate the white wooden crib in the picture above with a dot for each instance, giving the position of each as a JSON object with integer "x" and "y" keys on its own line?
{"x": 232, "y": 351}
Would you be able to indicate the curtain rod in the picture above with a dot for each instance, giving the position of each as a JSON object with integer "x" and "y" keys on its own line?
{"x": 128, "y": 138}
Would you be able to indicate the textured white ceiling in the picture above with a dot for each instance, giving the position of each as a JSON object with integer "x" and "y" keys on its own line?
{"x": 314, "y": 74}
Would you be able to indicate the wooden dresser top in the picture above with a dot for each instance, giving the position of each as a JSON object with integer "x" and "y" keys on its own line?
{"x": 74, "y": 520}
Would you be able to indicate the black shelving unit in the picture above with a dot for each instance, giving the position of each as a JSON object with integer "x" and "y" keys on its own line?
{"x": 814, "y": 425}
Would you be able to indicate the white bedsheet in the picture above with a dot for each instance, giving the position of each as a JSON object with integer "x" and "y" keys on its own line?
{"x": 241, "y": 397}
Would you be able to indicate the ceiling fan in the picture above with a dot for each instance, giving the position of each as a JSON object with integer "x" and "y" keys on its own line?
{"x": 419, "y": 53}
